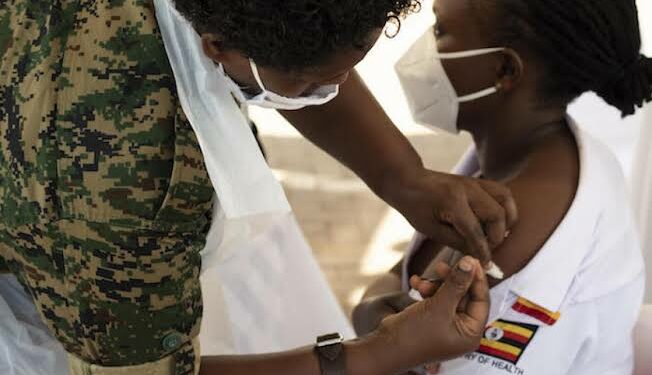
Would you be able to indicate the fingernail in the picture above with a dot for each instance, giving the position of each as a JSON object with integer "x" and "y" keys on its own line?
{"x": 507, "y": 234}
{"x": 465, "y": 265}
{"x": 430, "y": 280}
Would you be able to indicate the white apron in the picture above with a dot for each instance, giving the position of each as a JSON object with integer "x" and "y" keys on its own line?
{"x": 274, "y": 296}
{"x": 263, "y": 290}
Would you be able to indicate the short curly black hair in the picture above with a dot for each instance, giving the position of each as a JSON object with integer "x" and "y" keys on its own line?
{"x": 292, "y": 35}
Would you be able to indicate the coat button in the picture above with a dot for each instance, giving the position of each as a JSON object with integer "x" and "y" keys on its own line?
{"x": 172, "y": 341}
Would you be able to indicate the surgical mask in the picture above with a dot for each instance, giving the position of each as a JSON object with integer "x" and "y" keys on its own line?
{"x": 430, "y": 94}
{"x": 269, "y": 99}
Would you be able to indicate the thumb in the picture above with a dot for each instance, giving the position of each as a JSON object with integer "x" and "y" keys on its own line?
{"x": 457, "y": 284}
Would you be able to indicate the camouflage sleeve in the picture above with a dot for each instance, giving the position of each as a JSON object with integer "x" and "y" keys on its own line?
{"x": 104, "y": 197}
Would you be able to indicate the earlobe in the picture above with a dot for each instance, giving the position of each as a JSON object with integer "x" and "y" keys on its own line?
{"x": 211, "y": 45}
{"x": 510, "y": 70}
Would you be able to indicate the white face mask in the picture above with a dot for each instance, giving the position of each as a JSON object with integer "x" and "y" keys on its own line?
{"x": 268, "y": 99}
{"x": 429, "y": 92}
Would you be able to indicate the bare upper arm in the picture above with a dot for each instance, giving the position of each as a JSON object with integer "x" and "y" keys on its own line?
{"x": 544, "y": 191}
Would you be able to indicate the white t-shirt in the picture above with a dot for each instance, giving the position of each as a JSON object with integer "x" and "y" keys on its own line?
{"x": 572, "y": 309}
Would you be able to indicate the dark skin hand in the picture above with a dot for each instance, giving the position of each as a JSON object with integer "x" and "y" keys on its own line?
{"x": 528, "y": 147}
{"x": 435, "y": 329}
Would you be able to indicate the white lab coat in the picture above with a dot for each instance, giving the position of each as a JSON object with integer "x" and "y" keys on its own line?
{"x": 572, "y": 309}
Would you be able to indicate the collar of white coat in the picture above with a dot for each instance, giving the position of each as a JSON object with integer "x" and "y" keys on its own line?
{"x": 240, "y": 175}
{"x": 547, "y": 278}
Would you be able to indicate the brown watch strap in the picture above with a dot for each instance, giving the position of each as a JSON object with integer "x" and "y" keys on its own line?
{"x": 332, "y": 358}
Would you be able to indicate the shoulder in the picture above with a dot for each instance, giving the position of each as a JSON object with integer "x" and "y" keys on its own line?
{"x": 544, "y": 192}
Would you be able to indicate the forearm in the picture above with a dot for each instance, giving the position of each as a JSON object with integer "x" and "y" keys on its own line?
{"x": 354, "y": 129}
{"x": 369, "y": 356}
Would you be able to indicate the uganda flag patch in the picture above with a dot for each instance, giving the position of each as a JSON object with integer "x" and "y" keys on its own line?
{"x": 507, "y": 340}
{"x": 537, "y": 312}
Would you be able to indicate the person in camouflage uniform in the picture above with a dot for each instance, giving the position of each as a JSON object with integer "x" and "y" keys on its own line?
{"x": 104, "y": 197}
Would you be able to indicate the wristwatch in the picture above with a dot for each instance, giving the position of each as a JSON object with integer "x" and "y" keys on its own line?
{"x": 330, "y": 351}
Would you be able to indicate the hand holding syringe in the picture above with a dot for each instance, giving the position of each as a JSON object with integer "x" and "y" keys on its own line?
{"x": 446, "y": 258}
{"x": 431, "y": 280}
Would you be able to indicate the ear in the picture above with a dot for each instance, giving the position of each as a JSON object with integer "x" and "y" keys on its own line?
{"x": 212, "y": 46}
{"x": 510, "y": 70}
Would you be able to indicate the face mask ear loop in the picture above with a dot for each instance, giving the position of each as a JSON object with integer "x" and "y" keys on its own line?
{"x": 254, "y": 70}
{"x": 478, "y": 95}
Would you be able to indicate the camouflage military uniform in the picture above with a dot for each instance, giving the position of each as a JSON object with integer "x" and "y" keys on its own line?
{"x": 104, "y": 197}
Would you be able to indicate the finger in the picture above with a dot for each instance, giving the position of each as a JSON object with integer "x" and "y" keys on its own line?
{"x": 432, "y": 368}
{"x": 467, "y": 224}
{"x": 504, "y": 197}
{"x": 415, "y": 282}
{"x": 477, "y": 308}
{"x": 442, "y": 270}
{"x": 463, "y": 304}
{"x": 428, "y": 289}
{"x": 491, "y": 215}
{"x": 430, "y": 283}
{"x": 437, "y": 269}
{"x": 457, "y": 284}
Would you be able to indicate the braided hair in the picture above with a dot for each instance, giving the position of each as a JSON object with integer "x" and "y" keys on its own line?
{"x": 584, "y": 45}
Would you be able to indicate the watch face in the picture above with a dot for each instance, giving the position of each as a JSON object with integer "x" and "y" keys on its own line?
{"x": 333, "y": 338}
